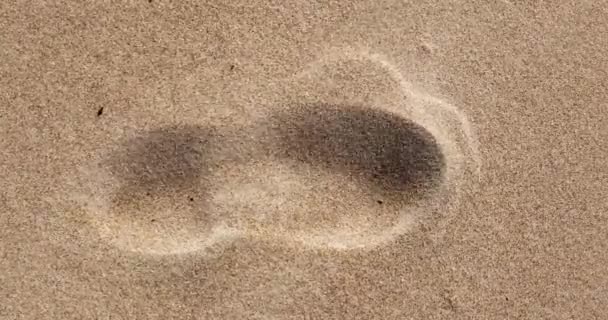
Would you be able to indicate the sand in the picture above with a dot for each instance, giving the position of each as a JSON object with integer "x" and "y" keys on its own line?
{"x": 336, "y": 160}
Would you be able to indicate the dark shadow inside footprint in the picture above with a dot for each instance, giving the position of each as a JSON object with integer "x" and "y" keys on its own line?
{"x": 377, "y": 147}
{"x": 164, "y": 170}
{"x": 167, "y": 158}
{"x": 162, "y": 189}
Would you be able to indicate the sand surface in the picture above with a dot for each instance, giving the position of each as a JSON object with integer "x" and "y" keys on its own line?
{"x": 303, "y": 160}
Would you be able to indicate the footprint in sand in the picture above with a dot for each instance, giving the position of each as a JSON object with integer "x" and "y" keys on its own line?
{"x": 350, "y": 156}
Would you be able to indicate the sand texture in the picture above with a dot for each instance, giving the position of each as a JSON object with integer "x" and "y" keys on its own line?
{"x": 303, "y": 160}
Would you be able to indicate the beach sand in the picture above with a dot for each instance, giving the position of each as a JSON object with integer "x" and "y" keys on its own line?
{"x": 303, "y": 160}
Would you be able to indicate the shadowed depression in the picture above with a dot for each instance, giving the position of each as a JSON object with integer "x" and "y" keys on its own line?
{"x": 377, "y": 147}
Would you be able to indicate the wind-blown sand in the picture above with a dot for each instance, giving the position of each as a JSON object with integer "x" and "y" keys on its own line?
{"x": 346, "y": 160}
